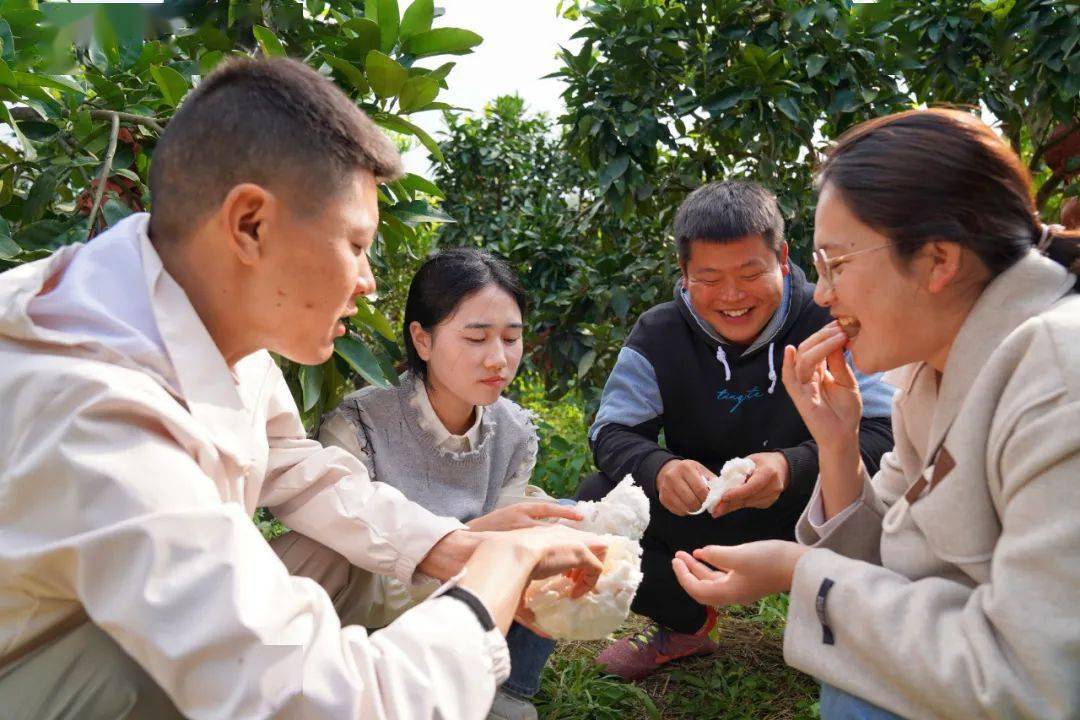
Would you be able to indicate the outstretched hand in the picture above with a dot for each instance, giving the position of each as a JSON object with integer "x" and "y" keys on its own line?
{"x": 523, "y": 515}
{"x": 739, "y": 574}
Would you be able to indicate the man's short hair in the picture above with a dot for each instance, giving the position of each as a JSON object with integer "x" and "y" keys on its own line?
{"x": 273, "y": 122}
{"x": 721, "y": 212}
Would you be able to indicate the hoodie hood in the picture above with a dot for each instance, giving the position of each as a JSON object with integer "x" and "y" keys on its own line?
{"x": 72, "y": 299}
{"x": 796, "y": 290}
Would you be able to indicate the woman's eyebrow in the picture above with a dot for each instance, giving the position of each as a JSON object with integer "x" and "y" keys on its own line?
{"x": 830, "y": 245}
{"x": 485, "y": 326}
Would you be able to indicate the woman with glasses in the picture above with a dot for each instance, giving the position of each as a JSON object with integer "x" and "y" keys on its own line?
{"x": 947, "y": 584}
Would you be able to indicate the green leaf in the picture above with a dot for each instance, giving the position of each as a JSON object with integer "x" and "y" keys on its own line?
{"x": 585, "y": 363}
{"x": 417, "y": 18}
{"x": 7, "y": 78}
{"x": 209, "y": 60}
{"x": 352, "y": 74}
{"x": 360, "y": 358}
{"x": 724, "y": 100}
{"x": 56, "y": 82}
{"x": 311, "y": 381}
{"x": 41, "y": 194}
{"x": 370, "y": 316}
{"x": 789, "y": 107}
{"x": 442, "y": 41}
{"x": 7, "y": 42}
{"x": 439, "y": 74}
{"x": 386, "y": 360}
{"x": 268, "y": 42}
{"x": 418, "y": 211}
{"x": 397, "y": 124}
{"x": 387, "y": 15}
{"x": 114, "y": 211}
{"x": 615, "y": 169}
{"x": 804, "y": 16}
{"x": 7, "y": 186}
{"x": 417, "y": 92}
{"x": 844, "y": 101}
{"x": 38, "y": 131}
{"x": 28, "y": 150}
{"x": 8, "y": 247}
{"x": 417, "y": 183}
{"x": 127, "y": 24}
{"x": 814, "y": 65}
{"x": 620, "y": 302}
{"x": 385, "y": 74}
{"x": 172, "y": 84}
{"x": 367, "y": 37}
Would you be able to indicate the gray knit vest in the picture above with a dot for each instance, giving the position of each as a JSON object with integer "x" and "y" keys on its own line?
{"x": 402, "y": 453}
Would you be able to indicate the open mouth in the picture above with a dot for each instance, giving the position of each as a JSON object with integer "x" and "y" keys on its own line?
{"x": 735, "y": 314}
{"x": 849, "y": 325}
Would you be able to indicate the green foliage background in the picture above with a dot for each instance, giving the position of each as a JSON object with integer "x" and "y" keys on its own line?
{"x": 663, "y": 96}
{"x": 87, "y": 90}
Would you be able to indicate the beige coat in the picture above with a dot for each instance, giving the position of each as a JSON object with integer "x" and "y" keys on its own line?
{"x": 958, "y": 596}
{"x": 131, "y": 460}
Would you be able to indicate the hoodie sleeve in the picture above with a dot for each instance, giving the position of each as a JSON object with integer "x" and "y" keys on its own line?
{"x": 108, "y": 510}
{"x": 327, "y": 494}
{"x": 628, "y": 423}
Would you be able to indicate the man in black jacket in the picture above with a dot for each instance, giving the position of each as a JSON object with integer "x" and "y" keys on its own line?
{"x": 703, "y": 369}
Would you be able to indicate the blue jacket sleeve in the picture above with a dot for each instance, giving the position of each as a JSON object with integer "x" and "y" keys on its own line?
{"x": 624, "y": 435}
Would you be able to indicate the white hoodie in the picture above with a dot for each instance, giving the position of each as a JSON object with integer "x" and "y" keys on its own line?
{"x": 131, "y": 460}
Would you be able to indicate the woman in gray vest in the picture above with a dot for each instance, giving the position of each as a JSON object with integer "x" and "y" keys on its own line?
{"x": 447, "y": 438}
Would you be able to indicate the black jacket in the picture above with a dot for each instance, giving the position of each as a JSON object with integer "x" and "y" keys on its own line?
{"x": 714, "y": 401}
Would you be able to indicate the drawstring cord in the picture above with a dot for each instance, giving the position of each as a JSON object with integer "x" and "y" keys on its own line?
{"x": 722, "y": 357}
{"x": 772, "y": 369}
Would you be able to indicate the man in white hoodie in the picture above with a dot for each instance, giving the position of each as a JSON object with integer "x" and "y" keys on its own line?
{"x": 144, "y": 420}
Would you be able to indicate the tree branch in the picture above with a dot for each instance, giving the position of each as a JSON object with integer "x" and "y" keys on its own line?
{"x": 1042, "y": 149}
{"x": 21, "y": 112}
{"x": 149, "y": 122}
{"x": 1048, "y": 188}
{"x": 106, "y": 168}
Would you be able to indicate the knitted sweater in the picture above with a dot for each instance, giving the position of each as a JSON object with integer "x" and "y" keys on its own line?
{"x": 394, "y": 440}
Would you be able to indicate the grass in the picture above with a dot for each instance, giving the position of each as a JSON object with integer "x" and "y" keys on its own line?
{"x": 747, "y": 679}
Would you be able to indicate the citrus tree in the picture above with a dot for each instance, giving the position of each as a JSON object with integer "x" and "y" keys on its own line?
{"x": 515, "y": 189}
{"x": 86, "y": 91}
{"x": 664, "y": 95}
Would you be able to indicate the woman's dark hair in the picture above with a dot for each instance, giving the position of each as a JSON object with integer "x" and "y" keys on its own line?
{"x": 942, "y": 174}
{"x": 443, "y": 282}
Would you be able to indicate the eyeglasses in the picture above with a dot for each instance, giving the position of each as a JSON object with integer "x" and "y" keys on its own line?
{"x": 826, "y": 265}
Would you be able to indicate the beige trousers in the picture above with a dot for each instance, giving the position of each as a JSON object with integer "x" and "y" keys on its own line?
{"x": 85, "y": 675}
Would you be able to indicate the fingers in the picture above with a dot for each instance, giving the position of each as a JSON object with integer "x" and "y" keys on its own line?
{"x": 755, "y": 483}
{"x": 584, "y": 578}
{"x": 697, "y": 478}
{"x": 541, "y": 511}
{"x": 841, "y": 371}
{"x": 699, "y": 569}
{"x": 721, "y": 557}
{"x": 703, "y": 591}
{"x": 679, "y": 497}
{"x": 810, "y": 357}
{"x": 688, "y": 494}
{"x": 826, "y": 332}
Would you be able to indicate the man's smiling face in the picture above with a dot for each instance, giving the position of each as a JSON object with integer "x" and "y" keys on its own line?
{"x": 737, "y": 285}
